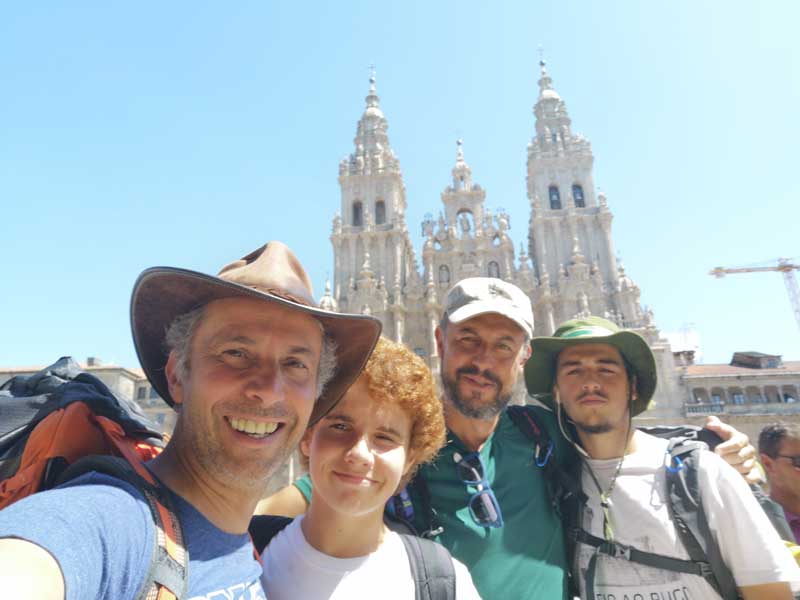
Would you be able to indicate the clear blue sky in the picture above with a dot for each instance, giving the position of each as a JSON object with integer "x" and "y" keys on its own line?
{"x": 188, "y": 133}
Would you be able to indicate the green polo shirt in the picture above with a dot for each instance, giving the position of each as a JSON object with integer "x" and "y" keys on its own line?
{"x": 526, "y": 558}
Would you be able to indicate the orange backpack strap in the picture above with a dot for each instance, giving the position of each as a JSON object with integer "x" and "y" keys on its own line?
{"x": 168, "y": 576}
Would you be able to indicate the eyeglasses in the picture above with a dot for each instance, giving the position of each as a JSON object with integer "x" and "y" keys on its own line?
{"x": 483, "y": 506}
{"x": 795, "y": 459}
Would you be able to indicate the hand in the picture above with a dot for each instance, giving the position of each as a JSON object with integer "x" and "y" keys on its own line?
{"x": 736, "y": 449}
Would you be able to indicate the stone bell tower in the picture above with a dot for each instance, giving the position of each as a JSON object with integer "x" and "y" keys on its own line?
{"x": 569, "y": 237}
{"x": 374, "y": 260}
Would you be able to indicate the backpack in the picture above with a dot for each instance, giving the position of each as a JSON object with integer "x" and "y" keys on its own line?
{"x": 61, "y": 423}
{"x": 431, "y": 563}
{"x": 684, "y": 499}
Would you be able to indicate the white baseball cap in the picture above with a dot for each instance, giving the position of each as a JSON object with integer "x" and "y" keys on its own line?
{"x": 481, "y": 295}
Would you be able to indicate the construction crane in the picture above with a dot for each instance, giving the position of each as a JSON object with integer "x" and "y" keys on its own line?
{"x": 786, "y": 266}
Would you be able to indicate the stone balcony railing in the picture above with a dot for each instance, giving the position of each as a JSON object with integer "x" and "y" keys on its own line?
{"x": 754, "y": 408}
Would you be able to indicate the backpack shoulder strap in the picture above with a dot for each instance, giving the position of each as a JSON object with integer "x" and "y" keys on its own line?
{"x": 691, "y": 522}
{"x": 265, "y": 527}
{"x": 431, "y": 526}
{"x": 562, "y": 485}
{"x": 563, "y": 482}
{"x": 431, "y": 567}
{"x": 168, "y": 576}
{"x": 774, "y": 513}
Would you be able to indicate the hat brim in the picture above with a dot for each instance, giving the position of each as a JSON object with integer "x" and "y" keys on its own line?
{"x": 161, "y": 294}
{"x": 541, "y": 366}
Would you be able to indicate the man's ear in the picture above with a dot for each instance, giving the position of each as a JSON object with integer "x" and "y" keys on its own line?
{"x": 768, "y": 463}
{"x": 524, "y": 354}
{"x": 173, "y": 381}
{"x": 439, "y": 340}
{"x": 634, "y": 389}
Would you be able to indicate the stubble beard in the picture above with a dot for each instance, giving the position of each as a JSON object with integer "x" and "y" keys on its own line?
{"x": 472, "y": 406}
{"x": 249, "y": 474}
{"x": 597, "y": 428}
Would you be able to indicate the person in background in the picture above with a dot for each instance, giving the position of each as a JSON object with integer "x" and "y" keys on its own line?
{"x": 779, "y": 449}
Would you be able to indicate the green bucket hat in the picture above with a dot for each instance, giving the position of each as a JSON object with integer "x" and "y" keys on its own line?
{"x": 541, "y": 367}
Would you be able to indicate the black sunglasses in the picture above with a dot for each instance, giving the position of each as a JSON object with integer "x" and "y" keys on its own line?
{"x": 483, "y": 506}
{"x": 795, "y": 459}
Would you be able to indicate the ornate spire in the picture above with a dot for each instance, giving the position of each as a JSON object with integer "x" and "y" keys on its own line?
{"x": 373, "y": 154}
{"x": 546, "y": 83}
{"x": 327, "y": 301}
{"x": 552, "y": 120}
{"x": 462, "y": 174}
{"x": 524, "y": 266}
{"x": 373, "y": 102}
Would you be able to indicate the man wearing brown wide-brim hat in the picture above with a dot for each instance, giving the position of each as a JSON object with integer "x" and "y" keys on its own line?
{"x": 248, "y": 360}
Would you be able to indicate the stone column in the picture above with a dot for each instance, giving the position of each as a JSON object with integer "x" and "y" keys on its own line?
{"x": 538, "y": 240}
{"x": 398, "y": 261}
{"x": 432, "y": 324}
{"x": 399, "y": 322}
{"x": 611, "y": 257}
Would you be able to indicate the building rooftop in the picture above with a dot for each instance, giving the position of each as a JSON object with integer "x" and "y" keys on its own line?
{"x": 789, "y": 368}
{"x": 91, "y": 365}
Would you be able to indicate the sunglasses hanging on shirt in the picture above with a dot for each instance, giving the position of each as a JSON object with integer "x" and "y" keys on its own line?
{"x": 483, "y": 505}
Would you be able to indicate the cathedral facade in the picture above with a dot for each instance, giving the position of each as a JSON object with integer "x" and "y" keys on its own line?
{"x": 568, "y": 267}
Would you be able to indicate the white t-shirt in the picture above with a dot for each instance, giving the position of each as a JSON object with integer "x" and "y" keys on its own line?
{"x": 295, "y": 570}
{"x": 640, "y": 518}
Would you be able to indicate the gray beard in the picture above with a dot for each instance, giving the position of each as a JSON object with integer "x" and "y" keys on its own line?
{"x": 484, "y": 412}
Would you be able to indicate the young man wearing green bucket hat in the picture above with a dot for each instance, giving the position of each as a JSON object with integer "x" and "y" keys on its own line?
{"x": 597, "y": 377}
{"x": 491, "y": 503}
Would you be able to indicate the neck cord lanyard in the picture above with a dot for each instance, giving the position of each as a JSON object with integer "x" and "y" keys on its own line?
{"x": 605, "y": 496}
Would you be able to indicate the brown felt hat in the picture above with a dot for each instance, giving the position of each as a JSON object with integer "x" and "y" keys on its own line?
{"x": 272, "y": 274}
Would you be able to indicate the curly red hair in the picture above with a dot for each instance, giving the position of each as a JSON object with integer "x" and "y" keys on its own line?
{"x": 396, "y": 375}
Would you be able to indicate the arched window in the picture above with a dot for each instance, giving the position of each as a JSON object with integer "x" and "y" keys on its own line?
{"x": 380, "y": 212}
{"x": 494, "y": 269}
{"x": 555, "y": 197}
{"x": 577, "y": 194}
{"x": 554, "y": 137}
{"x": 444, "y": 274}
{"x": 358, "y": 210}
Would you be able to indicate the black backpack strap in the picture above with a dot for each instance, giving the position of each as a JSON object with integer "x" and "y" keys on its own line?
{"x": 561, "y": 484}
{"x": 563, "y": 480}
{"x": 774, "y": 512}
{"x": 683, "y": 432}
{"x": 523, "y": 418}
{"x": 690, "y": 519}
{"x": 431, "y": 524}
{"x": 169, "y": 567}
{"x": 431, "y": 567}
{"x": 265, "y": 527}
